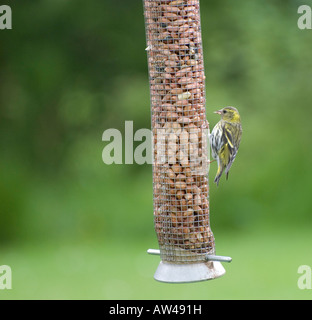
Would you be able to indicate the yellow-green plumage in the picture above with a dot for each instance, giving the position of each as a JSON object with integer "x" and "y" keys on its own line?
{"x": 225, "y": 139}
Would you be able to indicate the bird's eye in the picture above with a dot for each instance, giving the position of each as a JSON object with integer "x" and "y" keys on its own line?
{"x": 224, "y": 111}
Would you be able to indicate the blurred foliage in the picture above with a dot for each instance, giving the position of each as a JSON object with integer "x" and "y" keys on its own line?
{"x": 70, "y": 70}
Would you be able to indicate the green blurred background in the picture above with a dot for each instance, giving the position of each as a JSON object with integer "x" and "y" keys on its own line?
{"x": 72, "y": 227}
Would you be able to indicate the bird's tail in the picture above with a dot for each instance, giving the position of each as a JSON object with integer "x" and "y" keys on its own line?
{"x": 219, "y": 174}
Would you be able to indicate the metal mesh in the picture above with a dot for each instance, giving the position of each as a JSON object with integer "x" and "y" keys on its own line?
{"x": 180, "y": 130}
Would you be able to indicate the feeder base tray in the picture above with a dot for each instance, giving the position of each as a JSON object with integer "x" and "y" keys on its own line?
{"x": 190, "y": 272}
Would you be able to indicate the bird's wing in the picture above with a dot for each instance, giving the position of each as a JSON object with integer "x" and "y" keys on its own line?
{"x": 228, "y": 137}
{"x": 232, "y": 149}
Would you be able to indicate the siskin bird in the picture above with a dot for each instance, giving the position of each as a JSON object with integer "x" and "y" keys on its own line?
{"x": 225, "y": 139}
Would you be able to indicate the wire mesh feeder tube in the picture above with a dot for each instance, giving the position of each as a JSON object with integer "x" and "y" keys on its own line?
{"x": 180, "y": 141}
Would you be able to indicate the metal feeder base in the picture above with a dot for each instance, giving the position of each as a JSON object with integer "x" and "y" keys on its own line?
{"x": 191, "y": 272}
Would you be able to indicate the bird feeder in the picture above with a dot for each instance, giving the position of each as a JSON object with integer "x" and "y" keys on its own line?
{"x": 180, "y": 143}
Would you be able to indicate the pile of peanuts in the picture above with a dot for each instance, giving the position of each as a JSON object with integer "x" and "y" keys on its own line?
{"x": 177, "y": 87}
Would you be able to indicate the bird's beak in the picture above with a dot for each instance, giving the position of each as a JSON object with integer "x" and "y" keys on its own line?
{"x": 218, "y": 112}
